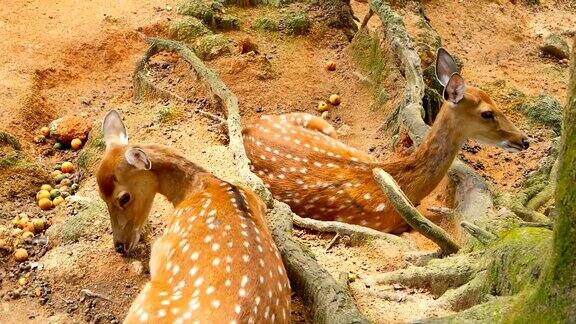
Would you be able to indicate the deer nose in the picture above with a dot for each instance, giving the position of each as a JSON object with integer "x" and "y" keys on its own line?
{"x": 120, "y": 248}
{"x": 525, "y": 143}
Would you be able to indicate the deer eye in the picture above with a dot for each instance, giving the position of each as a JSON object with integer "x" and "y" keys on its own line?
{"x": 123, "y": 199}
{"x": 487, "y": 115}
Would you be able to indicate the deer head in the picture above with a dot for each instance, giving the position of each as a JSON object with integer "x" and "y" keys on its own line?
{"x": 472, "y": 107}
{"x": 126, "y": 183}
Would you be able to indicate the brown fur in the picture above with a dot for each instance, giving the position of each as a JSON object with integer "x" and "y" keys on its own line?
{"x": 322, "y": 178}
{"x": 216, "y": 261}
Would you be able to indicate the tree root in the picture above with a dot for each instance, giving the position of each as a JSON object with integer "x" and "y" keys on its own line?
{"x": 465, "y": 296}
{"x": 480, "y": 234}
{"x": 438, "y": 276}
{"x": 329, "y": 302}
{"x": 411, "y": 215}
{"x": 411, "y": 112}
{"x": 356, "y": 233}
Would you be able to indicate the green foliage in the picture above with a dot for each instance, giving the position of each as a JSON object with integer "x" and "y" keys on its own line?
{"x": 188, "y": 29}
{"x": 296, "y": 24}
{"x": 543, "y": 109}
{"x": 266, "y": 24}
{"x": 211, "y": 46}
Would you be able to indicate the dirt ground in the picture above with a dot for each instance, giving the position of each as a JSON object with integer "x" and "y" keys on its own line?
{"x": 62, "y": 57}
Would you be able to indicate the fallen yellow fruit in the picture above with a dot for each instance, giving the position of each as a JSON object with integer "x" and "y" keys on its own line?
{"x": 45, "y": 203}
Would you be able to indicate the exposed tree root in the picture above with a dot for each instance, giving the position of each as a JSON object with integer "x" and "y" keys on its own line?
{"x": 480, "y": 234}
{"x": 356, "y": 233}
{"x": 411, "y": 215}
{"x": 411, "y": 110}
{"x": 465, "y": 296}
{"x": 328, "y": 301}
{"x": 438, "y": 276}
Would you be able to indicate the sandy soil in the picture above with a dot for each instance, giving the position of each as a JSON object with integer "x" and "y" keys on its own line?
{"x": 61, "y": 57}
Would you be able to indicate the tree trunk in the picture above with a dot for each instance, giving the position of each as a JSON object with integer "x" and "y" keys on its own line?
{"x": 553, "y": 300}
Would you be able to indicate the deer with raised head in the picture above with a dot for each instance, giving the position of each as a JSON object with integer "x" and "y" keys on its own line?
{"x": 301, "y": 161}
{"x": 216, "y": 261}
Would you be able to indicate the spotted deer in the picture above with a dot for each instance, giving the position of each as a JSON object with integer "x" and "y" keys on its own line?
{"x": 301, "y": 161}
{"x": 216, "y": 261}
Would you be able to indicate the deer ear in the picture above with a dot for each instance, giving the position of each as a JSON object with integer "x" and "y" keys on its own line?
{"x": 114, "y": 129}
{"x": 454, "y": 90}
{"x": 445, "y": 66}
{"x": 137, "y": 158}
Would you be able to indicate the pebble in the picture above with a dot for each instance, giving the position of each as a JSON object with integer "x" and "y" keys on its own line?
{"x": 137, "y": 267}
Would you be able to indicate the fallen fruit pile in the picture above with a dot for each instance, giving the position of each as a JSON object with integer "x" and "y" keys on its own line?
{"x": 49, "y": 196}
{"x": 23, "y": 231}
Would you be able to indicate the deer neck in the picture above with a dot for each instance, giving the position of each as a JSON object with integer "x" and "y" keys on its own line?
{"x": 177, "y": 177}
{"x": 425, "y": 168}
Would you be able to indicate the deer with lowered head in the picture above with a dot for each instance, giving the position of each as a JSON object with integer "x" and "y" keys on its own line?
{"x": 304, "y": 165}
{"x": 216, "y": 261}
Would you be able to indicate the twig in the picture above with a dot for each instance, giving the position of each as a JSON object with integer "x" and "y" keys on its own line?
{"x": 205, "y": 113}
{"x": 328, "y": 301}
{"x": 366, "y": 19}
{"x": 411, "y": 215}
{"x": 90, "y": 293}
{"x": 442, "y": 211}
{"x": 332, "y": 242}
{"x": 480, "y": 234}
{"x": 355, "y": 232}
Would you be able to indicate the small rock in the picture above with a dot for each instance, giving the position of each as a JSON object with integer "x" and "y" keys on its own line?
{"x": 556, "y": 46}
{"x": 67, "y": 128}
{"x": 137, "y": 267}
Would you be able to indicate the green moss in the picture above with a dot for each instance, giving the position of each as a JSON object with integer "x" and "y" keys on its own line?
{"x": 492, "y": 311}
{"x": 188, "y": 29}
{"x": 227, "y": 22}
{"x": 212, "y": 46}
{"x": 203, "y": 10}
{"x": 8, "y": 139}
{"x": 370, "y": 58}
{"x": 11, "y": 160}
{"x": 517, "y": 259}
{"x": 266, "y": 24}
{"x": 91, "y": 218}
{"x": 296, "y": 24}
{"x": 91, "y": 154}
{"x": 168, "y": 114}
{"x": 556, "y": 46}
{"x": 543, "y": 109}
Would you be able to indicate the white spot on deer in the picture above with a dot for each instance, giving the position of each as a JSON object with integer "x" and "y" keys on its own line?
{"x": 367, "y": 196}
{"x": 380, "y": 207}
{"x": 215, "y": 247}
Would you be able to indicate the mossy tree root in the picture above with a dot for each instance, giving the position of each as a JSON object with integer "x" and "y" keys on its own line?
{"x": 329, "y": 302}
{"x": 411, "y": 215}
{"x": 438, "y": 275}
